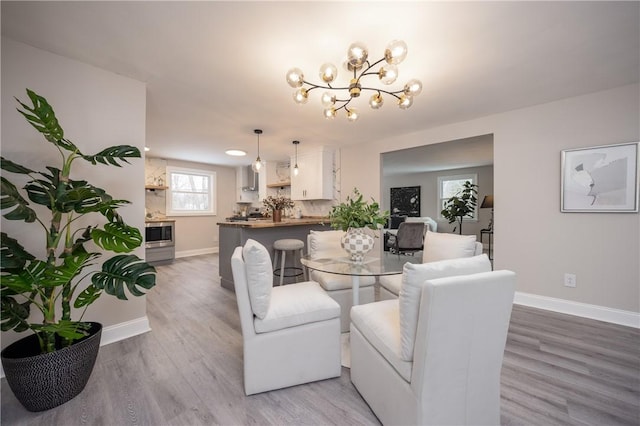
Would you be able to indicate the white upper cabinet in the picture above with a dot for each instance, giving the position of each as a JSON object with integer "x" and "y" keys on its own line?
{"x": 315, "y": 179}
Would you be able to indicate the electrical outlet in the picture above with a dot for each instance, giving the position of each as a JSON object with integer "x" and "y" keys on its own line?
{"x": 570, "y": 280}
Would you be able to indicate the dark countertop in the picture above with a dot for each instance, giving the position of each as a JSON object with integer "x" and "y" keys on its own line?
{"x": 269, "y": 223}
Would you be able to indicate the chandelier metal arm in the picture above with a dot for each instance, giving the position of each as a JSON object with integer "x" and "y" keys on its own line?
{"x": 344, "y": 105}
{"x": 318, "y": 86}
{"x": 394, "y": 94}
{"x": 364, "y": 72}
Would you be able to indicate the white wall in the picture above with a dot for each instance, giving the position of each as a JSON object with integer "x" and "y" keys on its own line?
{"x": 96, "y": 109}
{"x": 532, "y": 236}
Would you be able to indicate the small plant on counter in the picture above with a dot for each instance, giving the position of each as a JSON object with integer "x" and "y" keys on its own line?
{"x": 357, "y": 213}
{"x": 277, "y": 203}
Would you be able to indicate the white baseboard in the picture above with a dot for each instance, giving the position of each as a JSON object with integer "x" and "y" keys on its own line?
{"x": 197, "y": 252}
{"x": 117, "y": 332}
{"x": 600, "y": 313}
{"x": 124, "y": 330}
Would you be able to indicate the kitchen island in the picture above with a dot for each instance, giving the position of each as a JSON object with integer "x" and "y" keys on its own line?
{"x": 265, "y": 231}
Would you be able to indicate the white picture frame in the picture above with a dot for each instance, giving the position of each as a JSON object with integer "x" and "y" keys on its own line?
{"x": 600, "y": 179}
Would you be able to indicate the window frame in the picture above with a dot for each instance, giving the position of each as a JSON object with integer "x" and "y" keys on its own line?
{"x": 473, "y": 177}
{"x": 211, "y": 193}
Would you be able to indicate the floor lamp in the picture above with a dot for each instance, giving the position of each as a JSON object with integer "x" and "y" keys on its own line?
{"x": 487, "y": 202}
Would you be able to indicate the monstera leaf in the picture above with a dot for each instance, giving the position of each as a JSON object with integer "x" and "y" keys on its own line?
{"x": 12, "y": 254}
{"x": 124, "y": 270}
{"x": 70, "y": 268}
{"x": 14, "y": 315}
{"x": 112, "y": 154}
{"x": 11, "y": 197}
{"x": 117, "y": 237}
{"x": 42, "y": 118}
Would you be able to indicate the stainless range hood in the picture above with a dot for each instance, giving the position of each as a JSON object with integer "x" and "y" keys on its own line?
{"x": 248, "y": 179}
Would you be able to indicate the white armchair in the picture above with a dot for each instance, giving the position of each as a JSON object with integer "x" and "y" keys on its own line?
{"x": 437, "y": 246}
{"x": 291, "y": 334}
{"x": 434, "y": 356}
{"x": 326, "y": 244}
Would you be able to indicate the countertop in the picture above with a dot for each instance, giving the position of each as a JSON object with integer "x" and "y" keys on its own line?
{"x": 269, "y": 223}
{"x": 152, "y": 220}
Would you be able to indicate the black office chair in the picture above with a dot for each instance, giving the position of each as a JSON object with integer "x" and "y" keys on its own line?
{"x": 408, "y": 240}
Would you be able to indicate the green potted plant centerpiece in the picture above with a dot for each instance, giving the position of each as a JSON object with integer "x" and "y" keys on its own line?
{"x": 461, "y": 205}
{"x": 276, "y": 204}
{"x": 353, "y": 216}
{"x": 53, "y": 364}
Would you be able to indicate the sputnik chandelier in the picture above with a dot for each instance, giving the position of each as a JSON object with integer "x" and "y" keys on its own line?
{"x": 358, "y": 63}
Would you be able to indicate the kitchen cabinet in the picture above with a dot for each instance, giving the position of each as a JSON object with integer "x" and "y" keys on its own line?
{"x": 315, "y": 178}
{"x": 160, "y": 255}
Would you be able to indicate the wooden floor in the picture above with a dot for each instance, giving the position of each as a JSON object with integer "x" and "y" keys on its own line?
{"x": 557, "y": 370}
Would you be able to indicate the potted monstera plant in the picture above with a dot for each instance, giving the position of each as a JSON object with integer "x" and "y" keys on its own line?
{"x": 53, "y": 364}
{"x": 353, "y": 216}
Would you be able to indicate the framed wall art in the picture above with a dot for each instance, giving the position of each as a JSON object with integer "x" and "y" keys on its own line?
{"x": 600, "y": 179}
{"x": 405, "y": 201}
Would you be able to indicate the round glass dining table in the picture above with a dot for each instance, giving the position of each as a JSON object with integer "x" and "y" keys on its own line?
{"x": 386, "y": 264}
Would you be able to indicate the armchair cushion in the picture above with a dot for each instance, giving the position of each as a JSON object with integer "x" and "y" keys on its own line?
{"x": 391, "y": 283}
{"x": 413, "y": 278}
{"x": 325, "y": 244}
{"x": 294, "y": 305}
{"x": 440, "y": 246}
{"x": 332, "y": 282}
{"x": 378, "y": 323}
{"x": 259, "y": 275}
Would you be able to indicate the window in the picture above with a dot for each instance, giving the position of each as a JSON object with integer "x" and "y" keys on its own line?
{"x": 448, "y": 186}
{"x": 191, "y": 192}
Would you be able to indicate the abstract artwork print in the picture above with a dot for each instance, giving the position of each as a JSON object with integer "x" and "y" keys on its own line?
{"x": 405, "y": 201}
{"x": 600, "y": 179}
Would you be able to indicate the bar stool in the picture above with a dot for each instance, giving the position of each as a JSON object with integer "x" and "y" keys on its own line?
{"x": 282, "y": 247}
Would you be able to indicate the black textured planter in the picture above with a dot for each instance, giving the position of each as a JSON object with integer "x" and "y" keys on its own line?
{"x": 44, "y": 381}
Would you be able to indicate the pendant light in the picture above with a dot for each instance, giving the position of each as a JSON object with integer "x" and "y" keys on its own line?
{"x": 296, "y": 170}
{"x": 257, "y": 165}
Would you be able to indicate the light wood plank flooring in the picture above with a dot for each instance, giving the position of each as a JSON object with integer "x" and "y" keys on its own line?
{"x": 558, "y": 369}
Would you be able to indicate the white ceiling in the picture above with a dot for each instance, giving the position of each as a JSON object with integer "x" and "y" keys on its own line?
{"x": 216, "y": 70}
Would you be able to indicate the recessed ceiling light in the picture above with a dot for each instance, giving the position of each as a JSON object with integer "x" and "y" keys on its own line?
{"x": 236, "y": 152}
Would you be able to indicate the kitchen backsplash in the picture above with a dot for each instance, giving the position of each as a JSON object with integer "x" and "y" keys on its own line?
{"x": 155, "y": 174}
